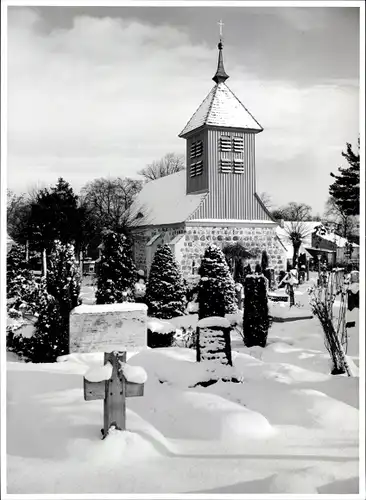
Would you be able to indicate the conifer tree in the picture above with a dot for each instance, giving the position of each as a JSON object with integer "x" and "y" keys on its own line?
{"x": 18, "y": 274}
{"x": 345, "y": 190}
{"x": 216, "y": 289}
{"x": 58, "y": 296}
{"x": 165, "y": 290}
{"x": 264, "y": 267}
{"x": 256, "y": 318}
{"x": 54, "y": 215}
{"x": 239, "y": 272}
{"x": 63, "y": 277}
{"x": 116, "y": 271}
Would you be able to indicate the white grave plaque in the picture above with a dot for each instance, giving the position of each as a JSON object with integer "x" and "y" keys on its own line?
{"x": 108, "y": 327}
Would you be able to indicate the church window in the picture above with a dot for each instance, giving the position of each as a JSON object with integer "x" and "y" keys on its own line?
{"x": 196, "y": 168}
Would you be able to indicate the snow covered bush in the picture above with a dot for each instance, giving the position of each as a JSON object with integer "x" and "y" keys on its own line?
{"x": 185, "y": 337}
{"x": 19, "y": 278}
{"x": 23, "y": 309}
{"x": 51, "y": 337}
{"x": 256, "y": 318}
{"x": 140, "y": 291}
{"x": 116, "y": 274}
{"x": 58, "y": 293}
{"x": 321, "y": 303}
{"x": 213, "y": 340}
{"x": 165, "y": 290}
{"x": 216, "y": 289}
{"x": 63, "y": 276}
{"x": 160, "y": 333}
{"x": 24, "y": 293}
{"x": 247, "y": 270}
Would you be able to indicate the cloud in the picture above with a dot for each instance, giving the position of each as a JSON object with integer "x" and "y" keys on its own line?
{"x": 109, "y": 95}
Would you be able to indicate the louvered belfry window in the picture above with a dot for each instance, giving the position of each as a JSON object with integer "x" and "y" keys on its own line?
{"x": 231, "y": 154}
{"x": 196, "y": 149}
{"x": 238, "y": 166}
{"x": 196, "y": 167}
{"x": 226, "y": 165}
{"x": 238, "y": 144}
{"x": 225, "y": 143}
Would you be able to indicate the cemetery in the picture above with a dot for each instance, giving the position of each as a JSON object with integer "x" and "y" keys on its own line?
{"x": 192, "y": 356}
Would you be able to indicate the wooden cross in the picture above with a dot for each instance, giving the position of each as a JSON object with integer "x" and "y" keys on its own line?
{"x": 221, "y": 24}
{"x": 114, "y": 392}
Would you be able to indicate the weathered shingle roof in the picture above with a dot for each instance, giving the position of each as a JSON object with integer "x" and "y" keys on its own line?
{"x": 164, "y": 201}
{"x": 221, "y": 108}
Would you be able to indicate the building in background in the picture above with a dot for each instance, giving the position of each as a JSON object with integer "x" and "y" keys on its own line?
{"x": 320, "y": 244}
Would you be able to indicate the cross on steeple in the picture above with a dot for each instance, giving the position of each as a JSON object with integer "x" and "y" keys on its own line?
{"x": 221, "y": 24}
{"x": 220, "y": 75}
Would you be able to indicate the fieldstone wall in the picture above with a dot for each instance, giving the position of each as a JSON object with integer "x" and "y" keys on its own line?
{"x": 264, "y": 238}
{"x": 139, "y": 250}
{"x": 141, "y": 239}
{"x": 197, "y": 238}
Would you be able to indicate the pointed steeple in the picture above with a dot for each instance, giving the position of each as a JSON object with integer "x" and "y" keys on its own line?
{"x": 220, "y": 75}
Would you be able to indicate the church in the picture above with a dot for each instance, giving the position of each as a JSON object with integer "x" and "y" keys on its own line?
{"x": 214, "y": 200}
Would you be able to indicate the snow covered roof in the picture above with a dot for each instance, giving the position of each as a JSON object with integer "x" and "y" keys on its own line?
{"x": 338, "y": 240}
{"x": 221, "y": 108}
{"x": 164, "y": 201}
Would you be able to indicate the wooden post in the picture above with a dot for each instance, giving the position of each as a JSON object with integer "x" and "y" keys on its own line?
{"x": 198, "y": 347}
{"x": 27, "y": 250}
{"x": 115, "y": 396}
{"x": 44, "y": 262}
{"x": 291, "y": 294}
{"x": 81, "y": 263}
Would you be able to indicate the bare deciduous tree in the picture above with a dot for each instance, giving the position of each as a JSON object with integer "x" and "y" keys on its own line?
{"x": 108, "y": 202}
{"x": 343, "y": 223}
{"x": 296, "y": 228}
{"x": 296, "y": 232}
{"x": 266, "y": 200}
{"x": 171, "y": 163}
{"x": 17, "y": 214}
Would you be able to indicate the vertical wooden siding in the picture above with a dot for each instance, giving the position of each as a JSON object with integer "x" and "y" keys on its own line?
{"x": 231, "y": 196}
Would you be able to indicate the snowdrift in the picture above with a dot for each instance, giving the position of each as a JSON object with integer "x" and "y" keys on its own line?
{"x": 286, "y": 426}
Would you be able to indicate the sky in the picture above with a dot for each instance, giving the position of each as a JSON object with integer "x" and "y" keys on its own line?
{"x": 103, "y": 91}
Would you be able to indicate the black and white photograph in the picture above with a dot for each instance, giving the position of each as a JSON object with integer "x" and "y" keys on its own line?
{"x": 182, "y": 249}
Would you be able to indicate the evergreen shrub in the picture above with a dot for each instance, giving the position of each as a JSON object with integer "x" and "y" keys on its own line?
{"x": 165, "y": 291}
{"x": 116, "y": 272}
{"x": 256, "y": 320}
{"x": 216, "y": 289}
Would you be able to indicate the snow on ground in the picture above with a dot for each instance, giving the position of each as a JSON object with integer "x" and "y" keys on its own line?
{"x": 288, "y": 427}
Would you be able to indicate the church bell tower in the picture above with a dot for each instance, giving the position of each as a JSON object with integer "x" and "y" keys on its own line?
{"x": 220, "y": 153}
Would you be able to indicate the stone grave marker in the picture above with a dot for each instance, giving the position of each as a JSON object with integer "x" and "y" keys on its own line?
{"x": 108, "y": 327}
{"x": 112, "y": 329}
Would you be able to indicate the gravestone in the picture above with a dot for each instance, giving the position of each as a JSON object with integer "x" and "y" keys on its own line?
{"x": 114, "y": 329}
{"x": 108, "y": 327}
{"x": 213, "y": 340}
